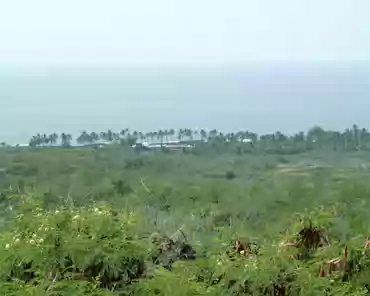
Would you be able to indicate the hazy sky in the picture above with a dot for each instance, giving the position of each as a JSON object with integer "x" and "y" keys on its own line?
{"x": 186, "y": 31}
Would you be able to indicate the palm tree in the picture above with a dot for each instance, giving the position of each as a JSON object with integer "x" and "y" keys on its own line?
{"x": 180, "y": 133}
{"x": 203, "y": 134}
{"x": 213, "y": 133}
{"x": 33, "y": 142}
{"x": 364, "y": 138}
{"x": 104, "y": 136}
{"x": 252, "y": 136}
{"x": 347, "y": 138}
{"x": 124, "y": 132}
{"x": 166, "y": 134}
{"x": 45, "y": 139}
{"x": 185, "y": 133}
{"x": 356, "y": 136}
{"x": 116, "y": 137}
{"x": 53, "y": 138}
{"x": 189, "y": 134}
{"x": 36, "y": 140}
{"x": 84, "y": 138}
{"x": 155, "y": 136}
{"x": 141, "y": 137}
{"x": 110, "y": 136}
{"x": 149, "y": 136}
{"x": 160, "y": 135}
{"x": 172, "y": 133}
{"x": 66, "y": 139}
{"x": 94, "y": 137}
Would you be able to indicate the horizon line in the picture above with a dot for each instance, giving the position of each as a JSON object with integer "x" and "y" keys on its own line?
{"x": 187, "y": 65}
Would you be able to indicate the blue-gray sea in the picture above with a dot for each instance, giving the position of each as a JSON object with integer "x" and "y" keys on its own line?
{"x": 260, "y": 98}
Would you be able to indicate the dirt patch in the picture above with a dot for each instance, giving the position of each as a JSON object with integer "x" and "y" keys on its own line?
{"x": 297, "y": 169}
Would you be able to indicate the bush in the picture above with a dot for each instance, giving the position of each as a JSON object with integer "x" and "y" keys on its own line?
{"x": 92, "y": 244}
{"x": 230, "y": 175}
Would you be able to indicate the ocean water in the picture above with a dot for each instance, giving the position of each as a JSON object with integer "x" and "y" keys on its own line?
{"x": 261, "y": 98}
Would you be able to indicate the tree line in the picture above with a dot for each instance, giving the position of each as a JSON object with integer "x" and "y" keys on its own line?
{"x": 124, "y": 135}
{"x": 353, "y": 138}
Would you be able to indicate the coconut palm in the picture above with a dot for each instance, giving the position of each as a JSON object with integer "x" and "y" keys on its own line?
{"x": 172, "y": 133}
{"x": 124, "y": 133}
{"x": 203, "y": 134}
{"x": 94, "y": 137}
{"x": 84, "y": 138}
{"x": 53, "y": 138}
{"x": 110, "y": 136}
{"x": 213, "y": 133}
{"x": 66, "y": 139}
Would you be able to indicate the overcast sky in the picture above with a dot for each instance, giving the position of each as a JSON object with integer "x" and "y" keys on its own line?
{"x": 187, "y": 31}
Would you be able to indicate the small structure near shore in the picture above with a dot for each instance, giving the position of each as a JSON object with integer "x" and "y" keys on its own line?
{"x": 170, "y": 146}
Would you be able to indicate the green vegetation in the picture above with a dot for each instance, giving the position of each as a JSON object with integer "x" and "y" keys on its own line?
{"x": 315, "y": 139}
{"x": 273, "y": 215}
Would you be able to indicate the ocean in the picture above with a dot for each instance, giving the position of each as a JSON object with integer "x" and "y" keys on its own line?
{"x": 260, "y": 98}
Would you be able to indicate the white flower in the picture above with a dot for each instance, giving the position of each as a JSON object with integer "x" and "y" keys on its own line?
{"x": 254, "y": 264}
{"x": 57, "y": 212}
{"x": 32, "y": 242}
{"x": 38, "y": 215}
{"x": 34, "y": 235}
{"x": 100, "y": 212}
{"x": 242, "y": 252}
{"x": 96, "y": 210}
{"x": 46, "y": 229}
{"x": 17, "y": 240}
{"x": 41, "y": 240}
{"x": 7, "y": 246}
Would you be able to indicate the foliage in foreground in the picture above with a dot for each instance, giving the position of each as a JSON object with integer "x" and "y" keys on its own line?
{"x": 100, "y": 251}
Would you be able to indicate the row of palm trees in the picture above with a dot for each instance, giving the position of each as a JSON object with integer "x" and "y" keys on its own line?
{"x": 124, "y": 135}
{"x": 352, "y": 138}
{"x": 51, "y": 139}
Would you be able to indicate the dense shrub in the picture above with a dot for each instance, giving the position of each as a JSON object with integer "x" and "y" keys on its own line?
{"x": 90, "y": 244}
{"x": 230, "y": 175}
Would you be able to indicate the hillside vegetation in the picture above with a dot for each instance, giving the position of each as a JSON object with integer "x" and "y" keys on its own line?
{"x": 274, "y": 215}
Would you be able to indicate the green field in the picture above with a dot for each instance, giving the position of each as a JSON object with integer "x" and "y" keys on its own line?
{"x": 210, "y": 221}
